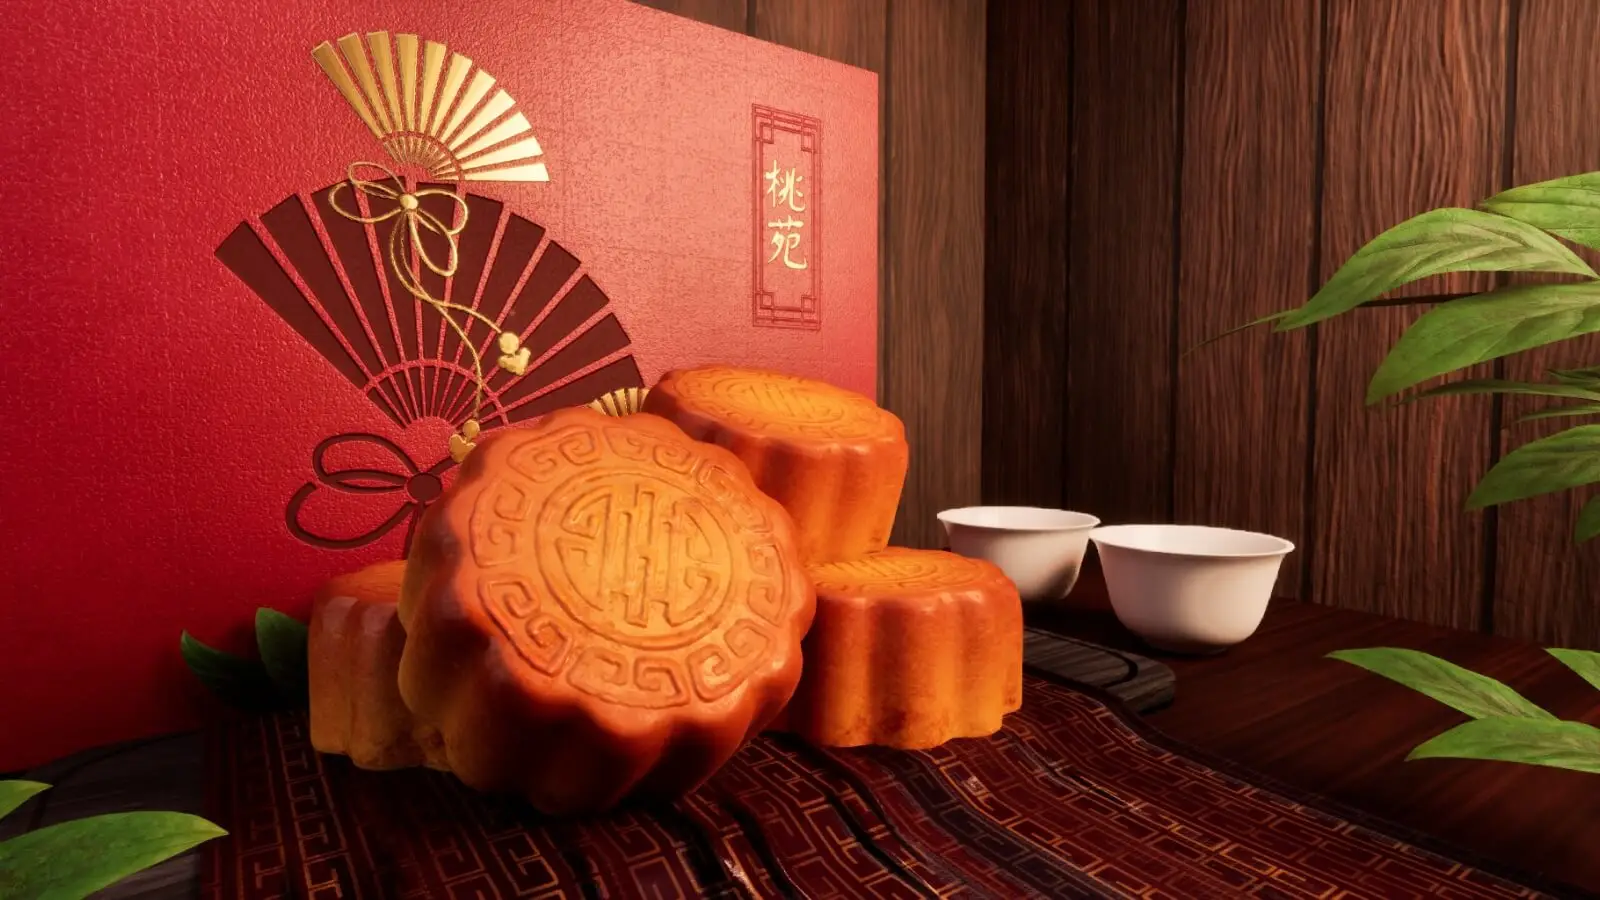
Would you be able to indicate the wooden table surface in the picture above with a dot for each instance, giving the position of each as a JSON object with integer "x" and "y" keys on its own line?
{"x": 1276, "y": 705}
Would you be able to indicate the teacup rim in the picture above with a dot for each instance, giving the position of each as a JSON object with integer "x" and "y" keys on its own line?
{"x": 1281, "y": 546}
{"x": 960, "y": 515}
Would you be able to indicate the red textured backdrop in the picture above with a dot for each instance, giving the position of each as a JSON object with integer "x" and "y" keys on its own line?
{"x": 159, "y": 415}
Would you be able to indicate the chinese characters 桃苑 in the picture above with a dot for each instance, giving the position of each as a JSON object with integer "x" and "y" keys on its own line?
{"x": 786, "y": 198}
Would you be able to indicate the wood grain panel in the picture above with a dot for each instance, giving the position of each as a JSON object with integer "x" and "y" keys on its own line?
{"x": 1545, "y": 583}
{"x": 931, "y": 358}
{"x": 847, "y": 31}
{"x": 1415, "y": 94}
{"x": 1247, "y": 232}
{"x": 1025, "y": 259}
{"x": 729, "y": 14}
{"x": 1118, "y": 423}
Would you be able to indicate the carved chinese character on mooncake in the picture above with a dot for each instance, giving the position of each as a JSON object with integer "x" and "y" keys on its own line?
{"x": 600, "y": 605}
{"x": 834, "y": 459}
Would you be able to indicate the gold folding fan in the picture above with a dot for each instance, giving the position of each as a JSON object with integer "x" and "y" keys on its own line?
{"x": 433, "y": 109}
{"x": 622, "y": 402}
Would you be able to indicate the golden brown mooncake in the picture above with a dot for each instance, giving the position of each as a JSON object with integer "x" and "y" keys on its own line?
{"x": 600, "y": 606}
{"x": 353, "y": 650}
{"x": 834, "y": 459}
{"x": 910, "y": 648}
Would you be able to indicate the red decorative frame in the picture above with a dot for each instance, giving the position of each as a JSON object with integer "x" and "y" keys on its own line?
{"x": 774, "y": 306}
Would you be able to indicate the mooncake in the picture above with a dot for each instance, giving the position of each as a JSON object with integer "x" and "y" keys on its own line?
{"x": 600, "y": 607}
{"x": 353, "y": 651}
{"x": 834, "y": 459}
{"x": 910, "y": 648}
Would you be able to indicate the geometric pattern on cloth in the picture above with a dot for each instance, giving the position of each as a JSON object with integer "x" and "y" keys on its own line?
{"x": 1074, "y": 797}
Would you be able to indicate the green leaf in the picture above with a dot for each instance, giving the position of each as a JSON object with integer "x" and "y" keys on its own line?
{"x": 1472, "y": 330}
{"x": 242, "y": 683}
{"x": 1589, "y": 377}
{"x": 1564, "y": 460}
{"x": 1560, "y": 412}
{"x": 1585, "y": 662}
{"x": 1534, "y": 742}
{"x": 1436, "y": 242}
{"x": 74, "y": 859}
{"x": 15, "y": 793}
{"x": 1588, "y": 527}
{"x": 1567, "y": 206}
{"x": 1235, "y": 330}
{"x": 1479, "y": 696}
{"x": 1500, "y": 386}
{"x": 282, "y": 642}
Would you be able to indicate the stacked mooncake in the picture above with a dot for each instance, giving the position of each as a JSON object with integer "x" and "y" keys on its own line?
{"x": 910, "y": 648}
{"x": 605, "y": 606}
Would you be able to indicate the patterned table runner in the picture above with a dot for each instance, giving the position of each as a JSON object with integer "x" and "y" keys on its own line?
{"x": 1073, "y": 798}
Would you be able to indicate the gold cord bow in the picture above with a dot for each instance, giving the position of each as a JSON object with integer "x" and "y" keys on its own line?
{"x": 412, "y": 220}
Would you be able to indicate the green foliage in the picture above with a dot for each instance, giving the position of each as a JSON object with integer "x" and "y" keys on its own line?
{"x": 1560, "y": 745}
{"x": 1559, "y": 462}
{"x": 1589, "y": 378}
{"x": 281, "y": 641}
{"x": 1588, "y": 522}
{"x": 1569, "y": 207}
{"x": 277, "y": 680}
{"x": 238, "y": 682}
{"x": 1585, "y": 662}
{"x": 1515, "y": 231}
{"x": 15, "y": 793}
{"x": 1505, "y": 727}
{"x": 71, "y": 860}
{"x": 1501, "y": 386}
{"x": 1471, "y": 330}
{"x": 1518, "y": 230}
{"x": 1435, "y": 243}
{"x": 1560, "y": 412}
{"x": 1460, "y": 689}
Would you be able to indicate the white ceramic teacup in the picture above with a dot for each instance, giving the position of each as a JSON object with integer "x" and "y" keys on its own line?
{"x": 1189, "y": 588}
{"x": 1040, "y": 550}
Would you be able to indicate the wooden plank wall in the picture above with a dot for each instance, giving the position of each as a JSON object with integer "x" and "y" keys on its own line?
{"x": 1413, "y": 118}
{"x": 930, "y": 59}
{"x": 1193, "y": 164}
{"x": 1544, "y": 586}
{"x": 1025, "y": 260}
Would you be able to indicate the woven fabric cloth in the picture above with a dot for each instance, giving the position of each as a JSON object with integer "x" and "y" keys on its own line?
{"x": 1073, "y": 798}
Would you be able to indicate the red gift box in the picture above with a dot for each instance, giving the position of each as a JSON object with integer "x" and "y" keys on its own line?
{"x": 222, "y": 387}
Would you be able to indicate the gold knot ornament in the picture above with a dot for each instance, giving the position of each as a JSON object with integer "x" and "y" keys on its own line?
{"x": 408, "y": 253}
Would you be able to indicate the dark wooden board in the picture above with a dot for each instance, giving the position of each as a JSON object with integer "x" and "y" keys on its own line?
{"x": 1029, "y": 139}
{"x": 729, "y": 14}
{"x": 1118, "y": 423}
{"x": 1144, "y": 684}
{"x": 1413, "y": 119}
{"x": 1246, "y": 239}
{"x": 1544, "y": 582}
{"x": 847, "y": 31}
{"x": 931, "y": 328}
{"x": 165, "y": 773}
